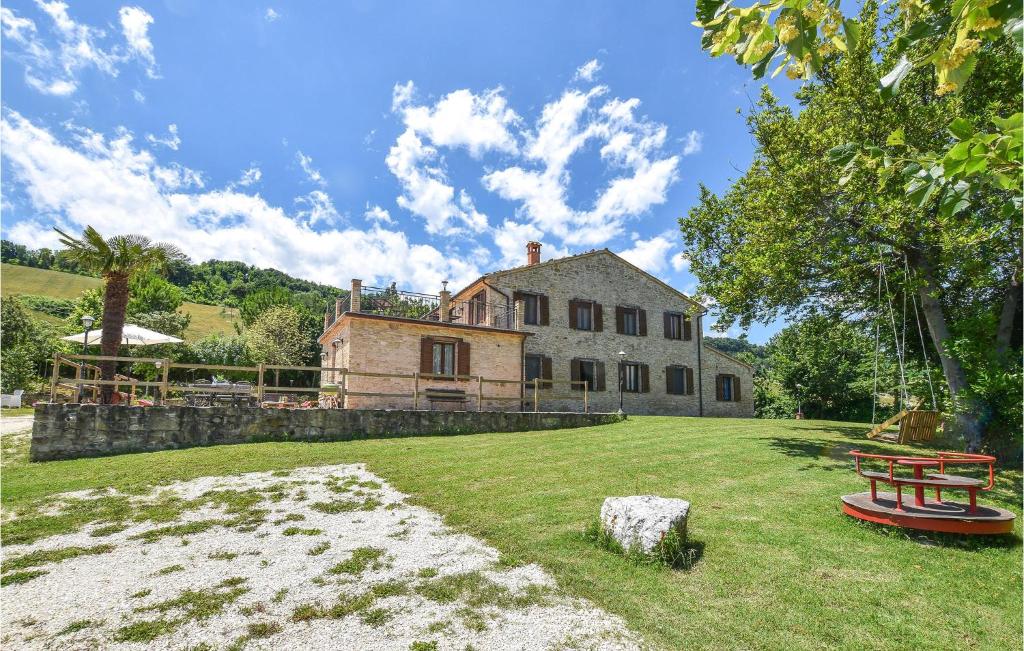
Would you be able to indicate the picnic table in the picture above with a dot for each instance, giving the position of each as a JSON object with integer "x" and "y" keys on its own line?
{"x": 207, "y": 394}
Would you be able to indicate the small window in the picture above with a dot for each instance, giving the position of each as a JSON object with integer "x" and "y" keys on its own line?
{"x": 727, "y": 388}
{"x": 631, "y": 378}
{"x": 588, "y": 374}
{"x": 478, "y": 309}
{"x": 677, "y": 383}
{"x": 531, "y": 307}
{"x": 444, "y": 358}
{"x": 674, "y": 325}
{"x": 585, "y": 316}
{"x": 534, "y": 367}
{"x": 630, "y": 321}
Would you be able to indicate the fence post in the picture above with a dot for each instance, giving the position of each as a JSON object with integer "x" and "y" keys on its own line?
{"x": 339, "y": 388}
{"x": 479, "y": 393}
{"x": 259, "y": 383}
{"x": 344, "y": 388}
{"x": 79, "y": 387}
{"x": 536, "y": 395}
{"x": 165, "y": 383}
{"x": 55, "y": 378}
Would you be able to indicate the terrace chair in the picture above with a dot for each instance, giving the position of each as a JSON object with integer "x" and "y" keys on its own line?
{"x": 12, "y": 400}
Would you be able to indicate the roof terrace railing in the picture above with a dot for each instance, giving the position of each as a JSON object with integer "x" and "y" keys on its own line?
{"x": 390, "y": 301}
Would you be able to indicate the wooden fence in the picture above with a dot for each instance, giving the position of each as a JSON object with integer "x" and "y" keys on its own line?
{"x": 333, "y": 395}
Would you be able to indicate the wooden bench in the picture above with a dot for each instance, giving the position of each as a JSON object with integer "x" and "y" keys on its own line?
{"x": 445, "y": 395}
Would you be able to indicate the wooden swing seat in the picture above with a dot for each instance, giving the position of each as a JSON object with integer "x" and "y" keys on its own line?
{"x": 915, "y": 425}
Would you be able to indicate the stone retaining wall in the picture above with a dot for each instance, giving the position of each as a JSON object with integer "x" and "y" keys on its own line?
{"x": 69, "y": 431}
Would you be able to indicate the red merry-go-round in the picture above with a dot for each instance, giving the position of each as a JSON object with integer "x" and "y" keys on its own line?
{"x": 927, "y": 472}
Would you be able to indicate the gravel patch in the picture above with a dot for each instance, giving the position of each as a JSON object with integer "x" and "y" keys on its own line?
{"x": 15, "y": 424}
{"x": 359, "y": 568}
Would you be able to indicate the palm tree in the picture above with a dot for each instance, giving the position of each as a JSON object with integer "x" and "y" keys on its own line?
{"x": 116, "y": 259}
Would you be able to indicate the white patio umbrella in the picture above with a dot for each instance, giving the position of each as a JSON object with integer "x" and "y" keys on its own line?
{"x": 132, "y": 335}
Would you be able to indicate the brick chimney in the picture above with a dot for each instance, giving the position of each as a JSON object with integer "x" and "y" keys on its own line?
{"x": 532, "y": 253}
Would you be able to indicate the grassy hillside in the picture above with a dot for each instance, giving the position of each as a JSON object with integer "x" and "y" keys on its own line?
{"x": 15, "y": 279}
{"x": 781, "y": 566}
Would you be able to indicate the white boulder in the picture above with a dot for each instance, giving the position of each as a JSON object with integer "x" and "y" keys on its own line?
{"x": 642, "y": 521}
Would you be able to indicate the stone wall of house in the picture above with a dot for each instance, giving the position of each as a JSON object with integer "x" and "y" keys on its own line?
{"x": 717, "y": 363}
{"x": 610, "y": 281}
{"x": 69, "y": 431}
{"x": 379, "y": 345}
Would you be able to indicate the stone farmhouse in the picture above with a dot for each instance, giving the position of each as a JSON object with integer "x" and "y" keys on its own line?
{"x": 561, "y": 331}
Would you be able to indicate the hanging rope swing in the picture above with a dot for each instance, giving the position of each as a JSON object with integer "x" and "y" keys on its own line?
{"x": 915, "y": 424}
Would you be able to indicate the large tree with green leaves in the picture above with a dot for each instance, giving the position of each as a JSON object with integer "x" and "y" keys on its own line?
{"x": 803, "y": 231}
{"x": 827, "y": 366}
{"x": 117, "y": 260}
{"x": 947, "y": 39}
{"x": 277, "y": 338}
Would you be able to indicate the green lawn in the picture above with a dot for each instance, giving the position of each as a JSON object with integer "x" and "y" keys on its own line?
{"x": 16, "y": 279}
{"x": 781, "y": 568}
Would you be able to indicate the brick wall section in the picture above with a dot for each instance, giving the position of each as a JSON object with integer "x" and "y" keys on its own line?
{"x": 607, "y": 279}
{"x": 69, "y": 431}
{"x": 380, "y": 345}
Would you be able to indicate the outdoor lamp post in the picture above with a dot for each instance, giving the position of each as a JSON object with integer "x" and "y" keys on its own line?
{"x": 799, "y": 401}
{"x": 87, "y": 321}
{"x": 622, "y": 359}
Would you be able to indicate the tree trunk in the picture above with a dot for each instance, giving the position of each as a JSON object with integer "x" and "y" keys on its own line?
{"x": 1008, "y": 315}
{"x": 115, "y": 302}
{"x": 968, "y": 416}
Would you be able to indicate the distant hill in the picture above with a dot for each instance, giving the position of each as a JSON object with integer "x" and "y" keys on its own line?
{"x": 731, "y": 345}
{"x": 214, "y": 282}
{"x": 17, "y": 279}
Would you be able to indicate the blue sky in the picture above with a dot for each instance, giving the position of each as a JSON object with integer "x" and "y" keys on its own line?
{"x": 410, "y": 141}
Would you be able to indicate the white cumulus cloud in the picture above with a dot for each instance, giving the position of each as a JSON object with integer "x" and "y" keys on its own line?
{"x": 251, "y": 176}
{"x": 53, "y": 62}
{"x": 84, "y": 178}
{"x": 171, "y": 140}
{"x": 270, "y": 15}
{"x": 375, "y": 213}
{"x": 135, "y": 24}
{"x": 651, "y": 255}
{"x": 313, "y": 174}
{"x": 479, "y": 123}
{"x": 587, "y": 71}
{"x": 693, "y": 143}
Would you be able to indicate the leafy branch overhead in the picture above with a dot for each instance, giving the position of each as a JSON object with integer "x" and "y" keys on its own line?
{"x": 800, "y": 36}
